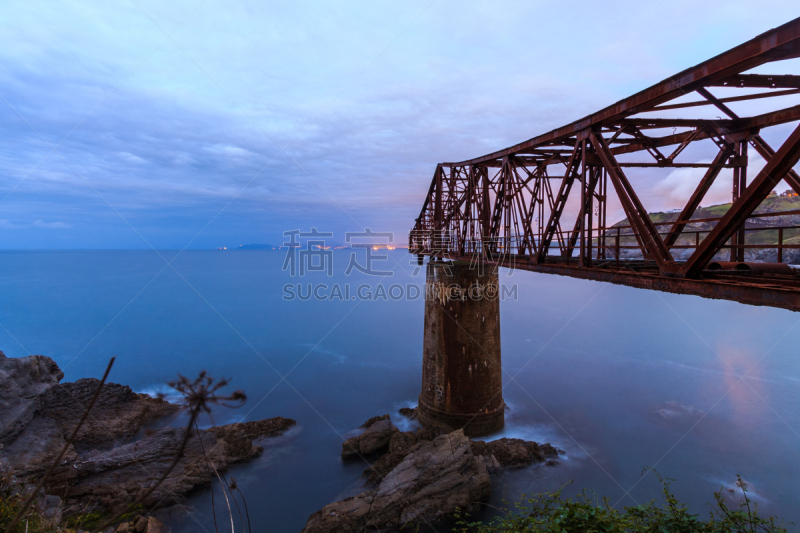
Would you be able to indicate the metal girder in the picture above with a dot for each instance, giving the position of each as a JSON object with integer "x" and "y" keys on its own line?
{"x": 766, "y": 151}
{"x": 697, "y": 196}
{"x": 719, "y": 105}
{"x": 647, "y": 234}
{"x": 776, "y": 168}
{"x": 558, "y": 205}
{"x": 758, "y": 80}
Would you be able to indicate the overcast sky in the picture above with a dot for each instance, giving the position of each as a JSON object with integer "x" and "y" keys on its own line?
{"x": 127, "y": 124}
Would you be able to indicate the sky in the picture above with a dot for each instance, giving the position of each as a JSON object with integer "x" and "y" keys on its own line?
{"x": 202, "y": 123}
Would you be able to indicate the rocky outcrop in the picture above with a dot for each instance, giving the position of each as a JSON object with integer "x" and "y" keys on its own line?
{"x": 239, "y": 437}
{"x": 22, "y": 381}
{"x": 374, "y": 439}
{"x": 143, "y": 524}
{"x": 112, "y": 461}
{"x": 422, "y": 476}
{"x": 38, "y": 413}
{"x": 433, "y": 479}
{"x": 515, "y": 453}
{"x": 400, "y": 445}
{"x": 117, "y": 416}
{"x": 409, "y": 412}
{"x": 497, "y": 454}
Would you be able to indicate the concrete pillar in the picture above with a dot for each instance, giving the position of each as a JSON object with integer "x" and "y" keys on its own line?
{"x": 462, "y": 383}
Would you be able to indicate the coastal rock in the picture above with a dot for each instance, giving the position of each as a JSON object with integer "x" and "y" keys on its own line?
{"x": 374, "y": 439}
{"x": 514, "y": 453}
{"x": 400, "y": 445}
{"x": 117, "y": 415}
{"x": 409, "y": 412}
{"x": 110, "y": 463}
{"x": 432, "y": 480}
{"x": 22, "y": 381}
{"x": 115, "y": 477}
{"x": 239, "y": 437}
{"x": 143, "y": 524}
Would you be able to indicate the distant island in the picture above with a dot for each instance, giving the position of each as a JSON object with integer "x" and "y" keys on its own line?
{"x": 257, "y": 247}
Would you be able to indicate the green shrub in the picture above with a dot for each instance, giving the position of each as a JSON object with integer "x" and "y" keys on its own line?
{"x": 551, "y": 513}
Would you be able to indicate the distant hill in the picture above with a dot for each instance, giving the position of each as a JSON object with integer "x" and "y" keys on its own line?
{"x": 772, "y": 204}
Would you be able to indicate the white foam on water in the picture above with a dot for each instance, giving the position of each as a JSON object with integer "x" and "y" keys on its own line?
{"x": 162, "y": 390}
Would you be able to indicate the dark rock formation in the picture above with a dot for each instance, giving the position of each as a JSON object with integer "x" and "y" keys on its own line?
{"x": 409, "y": 412}
{"x": 399, "y": 447}
{"x": 108, "y": 465}
{"x": 117, "y": 415}
{"x": 423, "y": 475}
{"x": 432, "y": 480}
{"x": 514, "y": 453}
{"x": 22, "y": 381}
{"x": 374, "y": 439}
{"x": 143, "y": 524}
{"x": 239, "y": 437}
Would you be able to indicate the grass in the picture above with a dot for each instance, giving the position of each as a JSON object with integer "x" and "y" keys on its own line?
{"x": 11, "y": 502}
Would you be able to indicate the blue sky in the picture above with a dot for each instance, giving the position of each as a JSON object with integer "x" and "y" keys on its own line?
{"x": 130, "y": 124}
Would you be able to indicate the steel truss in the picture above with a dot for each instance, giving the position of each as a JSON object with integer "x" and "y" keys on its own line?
{"x": 508, "y": 207}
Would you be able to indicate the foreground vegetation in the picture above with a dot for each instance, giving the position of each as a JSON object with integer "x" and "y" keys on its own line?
{"x": 551, "y": 513}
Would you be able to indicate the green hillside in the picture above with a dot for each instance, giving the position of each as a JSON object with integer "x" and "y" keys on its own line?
{"x": 767, "y": 237}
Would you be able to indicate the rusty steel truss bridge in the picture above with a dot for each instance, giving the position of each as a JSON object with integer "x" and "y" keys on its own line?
{"x": 507, "y": 208}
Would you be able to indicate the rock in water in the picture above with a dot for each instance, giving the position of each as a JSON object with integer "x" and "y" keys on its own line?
{"x": 514, "y": 453}
{"x": 375, "y": 439}
{"x": 433, "y": 479}
{"x": 409, "y": 412}
{"x": 239, "y": 437}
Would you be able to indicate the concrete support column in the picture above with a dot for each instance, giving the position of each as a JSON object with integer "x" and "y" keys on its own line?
{"x": 462, "y": 381}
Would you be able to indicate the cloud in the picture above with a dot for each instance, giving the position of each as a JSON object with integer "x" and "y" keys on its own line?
{"x": 677, "y": 187}
{"x": 267, "y": 116}
{"x": 50, "y": 225}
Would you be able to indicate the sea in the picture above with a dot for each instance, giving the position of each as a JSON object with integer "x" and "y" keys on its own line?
{"x": 631, "y": 384}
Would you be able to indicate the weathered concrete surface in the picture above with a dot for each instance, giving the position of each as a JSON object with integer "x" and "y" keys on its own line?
{"x": 461, "y": 375}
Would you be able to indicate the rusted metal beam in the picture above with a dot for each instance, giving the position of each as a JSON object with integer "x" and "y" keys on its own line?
{"x": 702, "y": 91}
{"x": 766, "y": 292}
{"x": 758, "y": 96}
{"x": 776, "y": 168}
{"x": 669, "y": 164}
{"x": 647, "y": 234}
{"x": 558, "y": 206}
{"x": 697, "y": 196}
{"x": 783, "y": 81}
{"x": 766, "y": 151}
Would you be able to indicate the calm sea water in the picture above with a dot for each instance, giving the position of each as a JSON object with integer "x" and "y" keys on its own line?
{"x": 617, "y": 377}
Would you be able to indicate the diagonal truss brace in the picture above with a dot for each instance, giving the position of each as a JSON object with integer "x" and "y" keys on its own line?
{"x": 698, "y": 195}
{"x": 558, "y": 206}
{"x": 648, "y": 237}
{"x": 777, "y": 168}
